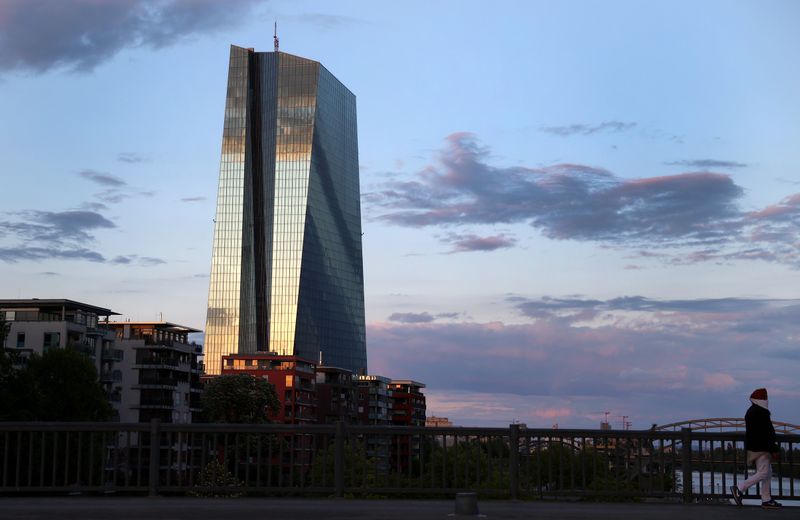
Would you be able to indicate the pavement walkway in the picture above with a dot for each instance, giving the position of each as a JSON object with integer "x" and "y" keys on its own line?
{"x": 166, "y": 508}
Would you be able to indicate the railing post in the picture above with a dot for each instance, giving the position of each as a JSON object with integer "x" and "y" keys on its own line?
{"x": 513, "y": 461}
{"x": 686, "y": 463}
{"x": 155, "y": 452}
{"x": 338, "y": 466}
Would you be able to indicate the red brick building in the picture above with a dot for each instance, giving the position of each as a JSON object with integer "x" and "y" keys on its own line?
{"x": 294, "y": 380}
{"x": 407, "y": 402}
{"x": 407, "y": 408}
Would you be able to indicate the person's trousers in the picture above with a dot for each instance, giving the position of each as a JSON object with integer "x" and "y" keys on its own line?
{"x": 763, "y": 474}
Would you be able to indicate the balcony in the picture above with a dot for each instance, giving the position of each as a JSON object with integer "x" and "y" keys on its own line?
{"x": 108, "y": 376}
{"x": 157, "y": 381}
{"x": 79, "y": 346}
{"x": 155, "y": 361}
{"x": 115, "y": 354}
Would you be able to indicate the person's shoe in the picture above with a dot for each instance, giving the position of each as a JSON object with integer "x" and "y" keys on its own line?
{"x": 737, "y": 495}
{"x": 771, "y": 505}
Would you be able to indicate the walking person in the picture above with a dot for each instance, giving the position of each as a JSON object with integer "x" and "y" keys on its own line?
{"x": 761, "y": 446}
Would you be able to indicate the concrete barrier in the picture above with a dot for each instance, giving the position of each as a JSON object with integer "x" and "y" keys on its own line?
{"x": 466, "y": 504}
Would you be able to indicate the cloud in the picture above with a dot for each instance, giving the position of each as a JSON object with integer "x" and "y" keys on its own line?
{"x": 411, "y": 317}
{"x": 40, "y": 35}
{"x": 103, "y": 179}
{"x": 193, "y": 199}
{"x": 707, "y": 164}
{"x": 57, "y": 227}
{"x": 695, "y": 214}
{"x": 583, "y": 129}
{"x": 325, "y": 21}
{"x": 17, "y": 254}
{"x": 469, "y": 243}
{"x": 116, "y": 190}
{"x": 146, "y": 261}
{"x": 661, "y": 362}
{"x": 131, "y": 157}
{"x": 58, "y": 235}
{"x": 558, "y": 307}
{"x": 421, "y": 317}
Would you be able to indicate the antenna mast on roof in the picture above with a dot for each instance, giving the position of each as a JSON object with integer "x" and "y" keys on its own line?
{"x": 275, "y": 36}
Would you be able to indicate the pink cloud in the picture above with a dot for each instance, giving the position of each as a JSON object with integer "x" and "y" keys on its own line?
{"x": 553, "y": 413}
{"x": 719, "y": 381}
{"x": 653, "y": 365}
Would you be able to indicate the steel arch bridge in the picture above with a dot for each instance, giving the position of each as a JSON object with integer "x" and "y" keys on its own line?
{"x": 725, "y": 424}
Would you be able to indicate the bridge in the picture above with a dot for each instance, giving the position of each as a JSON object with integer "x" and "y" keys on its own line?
{"x": 725, "y": 424}
{"x": 343, "y": 460}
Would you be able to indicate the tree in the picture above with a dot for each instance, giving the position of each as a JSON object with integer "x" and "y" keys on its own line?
{"x": 4, "y": 326}
{"x": 239, "y": 398}
{"x": 61, "y": 385}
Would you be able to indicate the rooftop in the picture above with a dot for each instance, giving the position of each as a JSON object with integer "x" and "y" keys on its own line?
{"x": 37, "y": 303}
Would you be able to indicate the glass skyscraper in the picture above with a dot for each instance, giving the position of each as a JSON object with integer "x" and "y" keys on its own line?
{"x": 286, "y": 271}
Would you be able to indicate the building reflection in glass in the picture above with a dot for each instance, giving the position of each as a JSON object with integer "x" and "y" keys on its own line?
{"x": 286, "y": 272}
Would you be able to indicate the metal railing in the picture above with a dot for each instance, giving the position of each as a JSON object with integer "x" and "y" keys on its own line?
{"x": 339, "y": 459}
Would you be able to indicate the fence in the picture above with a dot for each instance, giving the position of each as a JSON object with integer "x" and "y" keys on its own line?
{"x": 342, "y": 460}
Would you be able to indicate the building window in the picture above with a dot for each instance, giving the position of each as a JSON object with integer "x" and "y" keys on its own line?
{"x": 20, "y": 340}
{"x": 51, "y": 340}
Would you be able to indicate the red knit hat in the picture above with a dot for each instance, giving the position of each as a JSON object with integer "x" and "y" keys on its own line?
{"x": 760, "y": 394}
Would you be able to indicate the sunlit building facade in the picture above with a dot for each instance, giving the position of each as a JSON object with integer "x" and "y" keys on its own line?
{"x": 287, "y": 273}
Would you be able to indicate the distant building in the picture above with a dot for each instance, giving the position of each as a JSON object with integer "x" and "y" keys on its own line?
{"x": 337, "y": 395}
{"x": 373, "y": 400}
{"x": 436, "y": 422}
{"x": 294, "y": 380}
{"x": 38, "y": 325}
{"x": 286, "y": 271}
{"x": 407, "y": 402}
{"x": 160, "y": 371}
{"x": 373, "y": 409}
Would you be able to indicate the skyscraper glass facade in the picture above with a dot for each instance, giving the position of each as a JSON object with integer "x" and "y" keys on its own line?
{"x": 287, "y": 273}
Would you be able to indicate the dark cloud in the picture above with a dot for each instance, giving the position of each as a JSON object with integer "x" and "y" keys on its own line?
{"x": 25, "y": 253}
{"x": 704, "y": 164}
{"x": 116, "y": 190}
{"x": 469, "y": 243}
{"x": 150, "y": 260}
{"x": 412, "y": 317}
{"x": 42, "y": 235}
{"x": 193, "y": 199}
{"x": 448, "y": 315}
{"x": 688, "y": 212}
{"x": 49, "y": 273}
{"x": 39, "y": 35}
{"x": 131, "y": 158}
{"x": 103, "y": 179}
{"x": 668, "y": 361}
{"x": 580, "y": 308}
{"x": 59, "y": 235}
{"x": 145, "y": 261}
{"x": 583, "y": 129}
{"x": 56, "y": 227}
{"x": 421, "y": 317}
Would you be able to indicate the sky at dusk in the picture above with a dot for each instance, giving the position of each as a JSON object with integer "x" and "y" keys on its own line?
{"x": 568, "y": 207}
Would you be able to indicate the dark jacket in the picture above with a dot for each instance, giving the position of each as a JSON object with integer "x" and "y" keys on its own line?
{"x": 760, "y": 435}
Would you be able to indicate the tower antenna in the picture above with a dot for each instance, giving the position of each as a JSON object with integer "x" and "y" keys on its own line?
{"x": 275, "y": 36}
